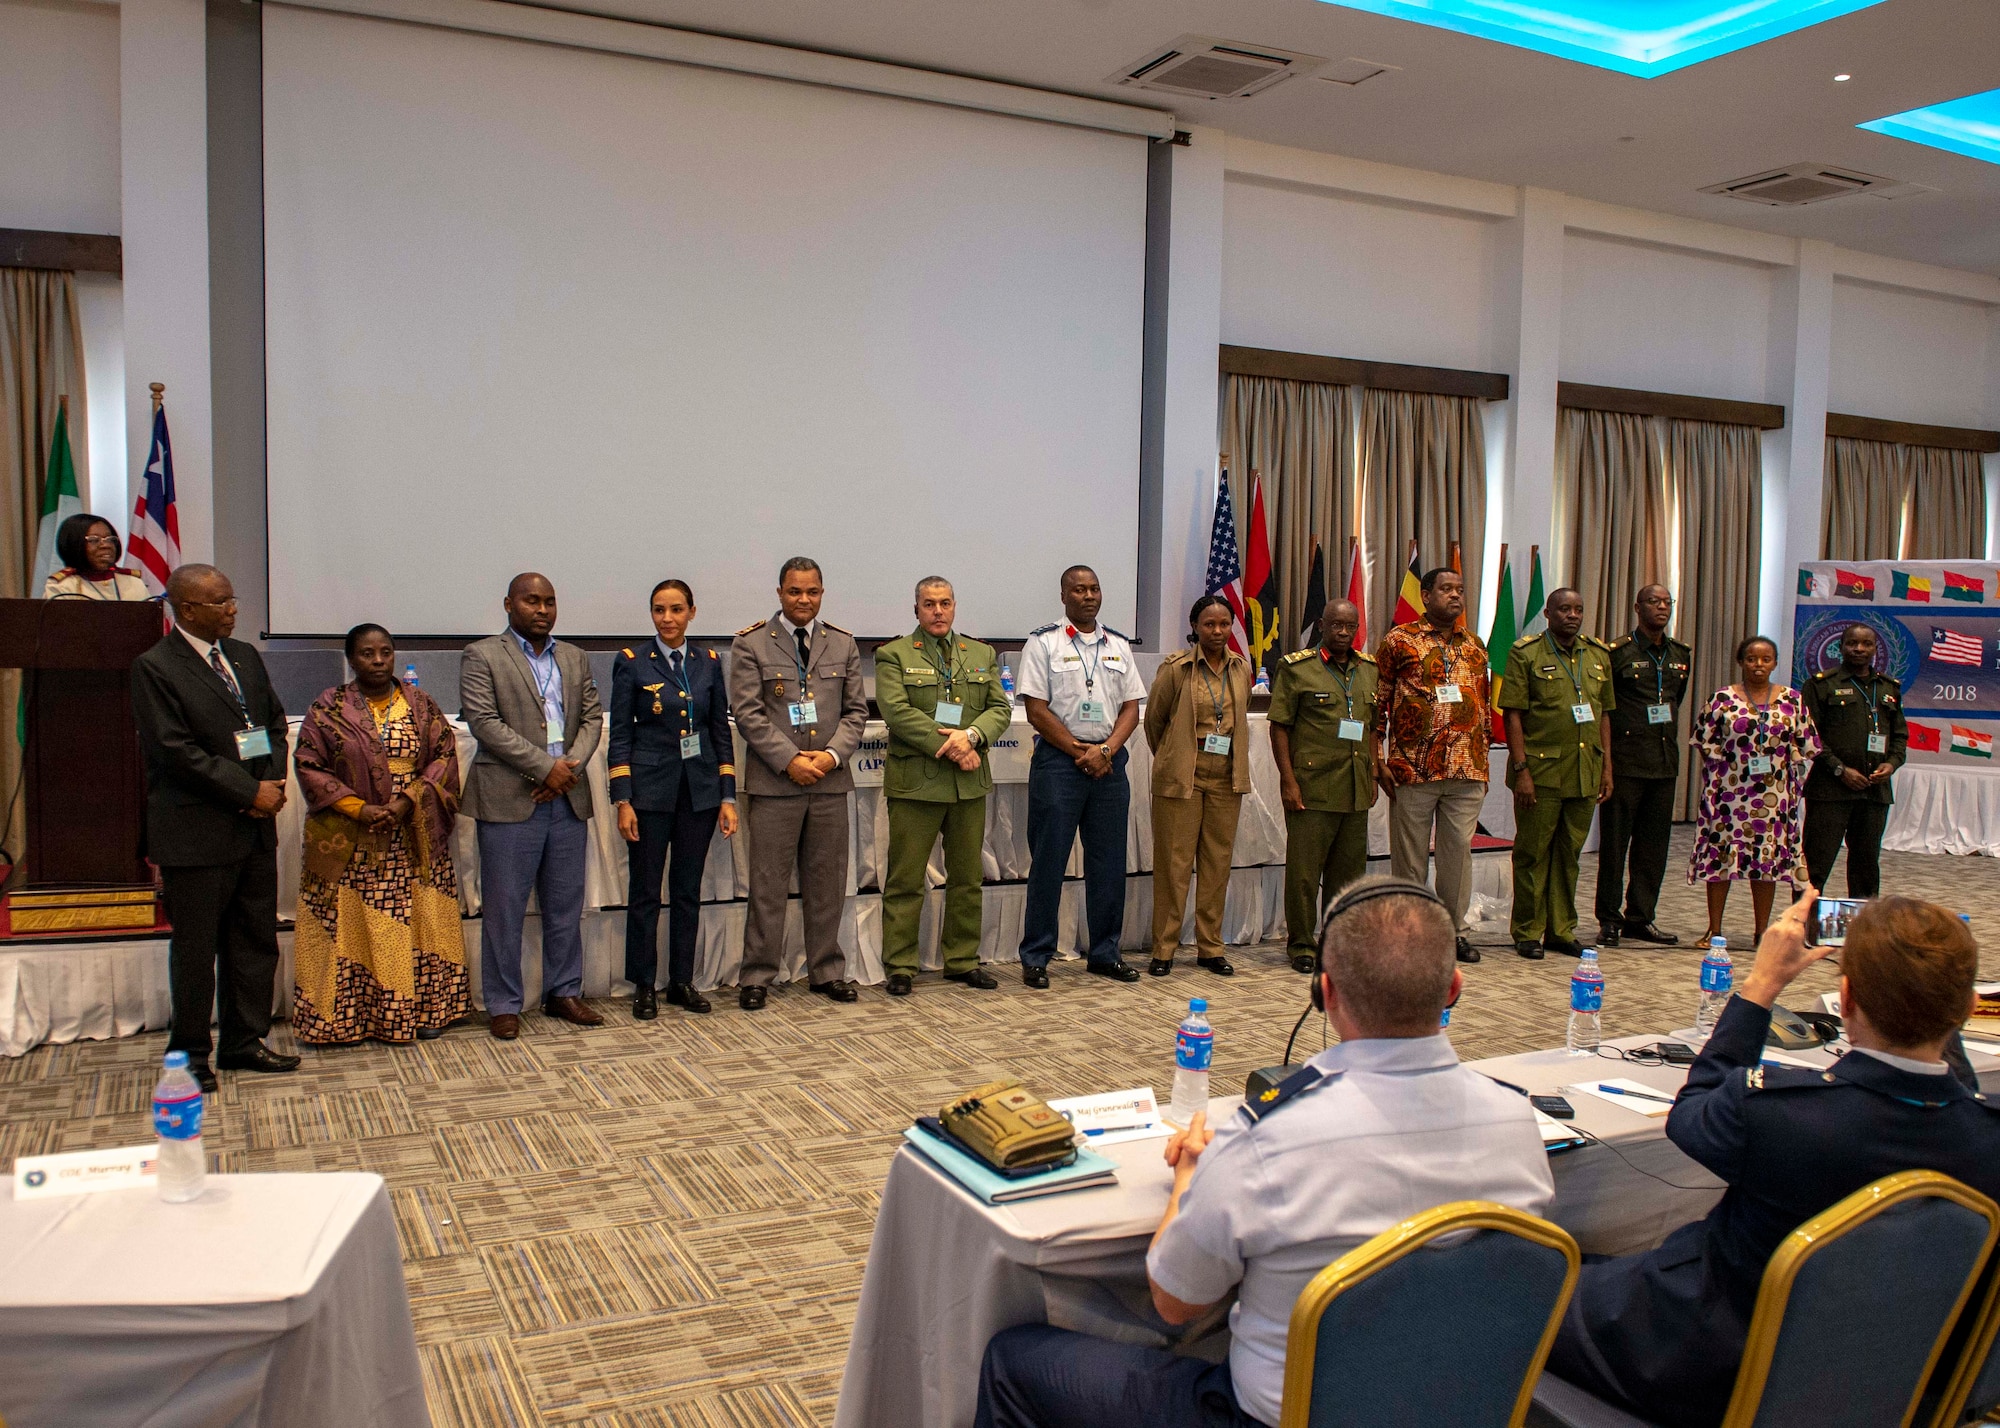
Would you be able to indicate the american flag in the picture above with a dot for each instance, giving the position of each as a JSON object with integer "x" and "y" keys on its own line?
{"x": 155, "y": 543}
{"x": 1225, "y": 565}
{"x": 1950, "y": 647}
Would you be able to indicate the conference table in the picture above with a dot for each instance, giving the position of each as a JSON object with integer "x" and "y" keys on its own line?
{"x": 271, "y": 1301}
{"x": 945, "y": 1272}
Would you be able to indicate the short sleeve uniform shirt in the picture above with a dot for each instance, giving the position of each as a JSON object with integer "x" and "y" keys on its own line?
{"x": 1068, "y": 668}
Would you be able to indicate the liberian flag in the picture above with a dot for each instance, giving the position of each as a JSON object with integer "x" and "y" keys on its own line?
{"x": 1850, "y": 585}
{"x": 1950, "y": 647}
{"x": 1924, "y": 737}
{"x": 155, "y": 543}
{"x": 1969, "y": 588}
{"x": 1910, "y": 587}
{"x": 1971, "y": 742}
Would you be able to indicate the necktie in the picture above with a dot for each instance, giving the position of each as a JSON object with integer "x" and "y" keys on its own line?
{"x": 674, "y": 662}
{"x": 805, "y": 647}
{"x": 222, "y": 671}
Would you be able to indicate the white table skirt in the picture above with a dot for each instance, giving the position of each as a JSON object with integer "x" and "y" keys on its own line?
{"x": 1944, "y": 810}
{"x": 273, "y": 1300}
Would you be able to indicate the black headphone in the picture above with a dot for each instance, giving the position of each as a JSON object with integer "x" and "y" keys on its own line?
{"x": 1352, "y": 899}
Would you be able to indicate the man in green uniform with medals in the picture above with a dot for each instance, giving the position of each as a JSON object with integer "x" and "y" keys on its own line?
{"x": 1557, "y": 699}
{"x": 1323, "y": 741}
{"x": 940, "y": 695}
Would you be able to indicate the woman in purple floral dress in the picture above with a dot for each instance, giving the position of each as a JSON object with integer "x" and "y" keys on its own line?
{"x": 1757, "y": 744}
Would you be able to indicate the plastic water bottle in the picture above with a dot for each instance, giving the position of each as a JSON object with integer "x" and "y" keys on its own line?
{"x": 1716, "y": 975}
{"x": 1263, "y": 684}
{"x": 177, "y": 1108}
{"x": 1586, "y": 1005}
{"x": 1006, "y": 677}
{"x": 1194, "y": 1046}
{"x": 410, "y": 676}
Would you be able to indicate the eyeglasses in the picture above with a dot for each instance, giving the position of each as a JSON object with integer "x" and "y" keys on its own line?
{"x": 229, "y": 604}
{"x": 100, "y": 540}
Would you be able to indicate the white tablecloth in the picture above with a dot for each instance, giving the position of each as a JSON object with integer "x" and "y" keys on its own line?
{"x": 1944, "y": 810}
{"x": 272, "y": 1300}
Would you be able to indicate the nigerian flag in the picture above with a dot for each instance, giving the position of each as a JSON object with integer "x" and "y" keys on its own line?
{"x": 59, "y": 501}
{"x": 1500, "y": 639}
{"x": 1533, "y": 619}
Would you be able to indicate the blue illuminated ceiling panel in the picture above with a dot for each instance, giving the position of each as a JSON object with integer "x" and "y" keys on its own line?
{"x": 1969, "y": 126}
{"x": 1646, "y": 38}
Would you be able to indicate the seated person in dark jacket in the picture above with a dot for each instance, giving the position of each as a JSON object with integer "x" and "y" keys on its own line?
{"x": 1663, "y": 1332}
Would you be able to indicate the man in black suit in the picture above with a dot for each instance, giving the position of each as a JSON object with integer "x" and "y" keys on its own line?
{"x": 214, "y": 737}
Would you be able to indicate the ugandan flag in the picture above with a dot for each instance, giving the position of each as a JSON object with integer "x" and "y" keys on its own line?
{"x": 1410, "y": 597}
{"x": 1852, "y": 585}
{"x": 1969, "y": 588}
{"x": 1925, "y": 738}
{"x": 1904, "y": 586}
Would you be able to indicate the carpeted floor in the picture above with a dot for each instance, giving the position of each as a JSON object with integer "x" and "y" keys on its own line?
{"x": 666, "y": 1223}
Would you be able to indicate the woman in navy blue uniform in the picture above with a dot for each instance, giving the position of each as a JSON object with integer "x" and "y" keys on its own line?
{"x": 673, "y": 777}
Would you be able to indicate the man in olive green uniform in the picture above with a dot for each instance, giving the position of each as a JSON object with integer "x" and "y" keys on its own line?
{"x": 1557, "y": 698}
{"x": 1323, "y": 740}
{"x": 940, "y": 695}
{"x": 1859, "y": 714}
{"x": 1649, "y": 677}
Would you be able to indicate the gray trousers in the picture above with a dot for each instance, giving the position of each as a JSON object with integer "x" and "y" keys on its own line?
{"x": 809, "y": 831}
{"x": 545, "y": 853}
{"x": 1452, "y": 804}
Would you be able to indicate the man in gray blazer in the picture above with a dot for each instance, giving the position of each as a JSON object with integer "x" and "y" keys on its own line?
{"x": 795, "y": 687}
{"x": 533, "y": 708}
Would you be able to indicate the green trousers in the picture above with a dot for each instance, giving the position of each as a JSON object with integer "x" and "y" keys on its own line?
{"x": 1324, "y": 852}
{"x": 914, "y": 826}
{"x": 1548, "y": 841}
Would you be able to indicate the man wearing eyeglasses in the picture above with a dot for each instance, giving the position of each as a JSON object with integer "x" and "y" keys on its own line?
{"x": 214, "y": 738}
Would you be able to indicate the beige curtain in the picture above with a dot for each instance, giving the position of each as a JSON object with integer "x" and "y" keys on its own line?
{"x": 1862, "y": 515}
{"x": 1423, "y": 477}
{"x": 1611, "y": 527}
{"x": 1944, "y": 513}
{"x": 1299, "y": 437}
{"x": 1715, "y": 471}
{"x": 41, "y": 360}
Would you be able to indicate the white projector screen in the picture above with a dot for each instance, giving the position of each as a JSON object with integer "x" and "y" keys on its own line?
{"x": 616, "y": 320}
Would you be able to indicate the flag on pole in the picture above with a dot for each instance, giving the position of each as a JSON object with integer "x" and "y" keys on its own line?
{"x": 1458, "y": 569}
{"x": 1260, "y": 587}
{"x": 1500, "y": 639}
{"x": 1410, "y": 597}
{"x": 60, "y": 500}
{"x": 154, "y": 545}
{"x": 1315, "y": 598}
{"x": 1357, "y": 595}
{"x": 1533, "y": 620}
{"x": 1225, "y": 565}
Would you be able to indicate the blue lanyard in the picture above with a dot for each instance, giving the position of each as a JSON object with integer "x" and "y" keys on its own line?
{"x": 1573, "y": 671}
{"x": 1346, "y": 682}
{"x": 1090, "y": 670}
{"x": 1659, "y": 666}
{"x": 797, "y": 663}
{"x": 542, "y": 686}
{"x": 1871, "y": 694}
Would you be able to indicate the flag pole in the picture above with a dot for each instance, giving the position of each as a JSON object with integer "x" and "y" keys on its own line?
{"x": 159, "y": 394}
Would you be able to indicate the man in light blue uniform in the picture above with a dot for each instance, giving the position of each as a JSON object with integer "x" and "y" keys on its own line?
{"x": 1378, "y": 1128}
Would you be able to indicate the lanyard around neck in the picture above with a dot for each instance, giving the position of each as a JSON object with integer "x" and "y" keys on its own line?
{"x": 1090, "y": 668}
{"x": 1346, "y": 678}
{"x": 1572, "y": 668}
{"x": 1659, "y": 659}
{"x": 1217, "y": 692}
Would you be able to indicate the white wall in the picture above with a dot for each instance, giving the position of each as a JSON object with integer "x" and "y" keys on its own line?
{"x": 59, "y": 116}
{"x": 1906, "y": 356}
{"x": 100, "y": 297}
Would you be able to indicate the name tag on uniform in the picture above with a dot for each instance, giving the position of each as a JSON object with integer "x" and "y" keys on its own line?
{"x": 948, "y": 714}
{"x": 1215, "y": 743}
{"x": 1583, "y": 713}
{"x": 1091, "y": 711}
{"x": 1659, "y": 713}
{"x": 1448, "y": 694}
{"x": 1350, "y": 729}
{"x": 1760, "y": 763}
{"x": 804, "y": 714}
{"x": 253, "y": 743}
{"x": 690, "y": 746}
{"x": 1878, "y": 743}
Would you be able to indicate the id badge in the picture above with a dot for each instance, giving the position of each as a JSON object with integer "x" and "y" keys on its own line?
{"x": 552, "y": 736}
{"x": 1760, "y": 763}
{"x": 1091, "y": 711}
{"x": 948, "y": 714}
{"x": 1582, "y": 713}
{"x": 1215, "y": 743}
{"x": 690, "y": 746}
{"x": 805, "y": 713}
{"x": 1448, "y": 694}
{"x": 1878, "y": 743}
{"x": 1351, "y": 730}
{"x": 253, "y": 743}
{"x": 1659, "y": 713}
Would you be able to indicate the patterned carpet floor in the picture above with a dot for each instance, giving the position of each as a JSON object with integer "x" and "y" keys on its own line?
{"x": 663, "y": 1225}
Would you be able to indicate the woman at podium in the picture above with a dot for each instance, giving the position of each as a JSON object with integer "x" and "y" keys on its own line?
{"x": 90, "y": 551}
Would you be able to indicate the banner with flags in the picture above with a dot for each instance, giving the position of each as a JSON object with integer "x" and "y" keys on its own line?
{"x": 1357, "y": 594}
{"x": 154, "y": 545}
{"x": 1315, "y": 598}
{"x": 60, "y": 500}
{"x": 1499, "y": 640}
{"x": 1410, "y": 594}
{"x": 1534, "y": 620}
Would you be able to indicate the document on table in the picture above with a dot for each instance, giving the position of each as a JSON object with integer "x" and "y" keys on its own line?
{"x": 1643, "y": 1100}
{"x": 1556, "y": 1135}
{"x": 1114, "y": 1116}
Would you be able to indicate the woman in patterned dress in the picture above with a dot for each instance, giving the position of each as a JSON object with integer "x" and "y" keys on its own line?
{"x": 378, "y": 953}
{"x": 1757, "y": 744}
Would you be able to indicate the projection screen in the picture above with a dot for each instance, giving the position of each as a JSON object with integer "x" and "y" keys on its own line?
{"x": 614, "y": 319}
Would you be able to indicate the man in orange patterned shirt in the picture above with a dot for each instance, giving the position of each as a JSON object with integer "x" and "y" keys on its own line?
{"x": 1432, "y": 727}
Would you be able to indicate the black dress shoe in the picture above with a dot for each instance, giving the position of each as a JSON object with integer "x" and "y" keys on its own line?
{"x": 683, "y": 994}
{"x": 978, "y": 977}
{"x": 900, "y": 984}
{"x": 1218, "y": 965}
{"x": 834, "y": 991}
{"x": 1159, "y": 966}
{"x": 1117, "y": 971}
{"x": 1463, "y": 950}
{"x": 1302, "y": 962}
{"x": 204, "y": 1077}
{"x": 1607, "y": 934}
{"x": 1036, "y": 977}
{"x": 429, "y": 1033}
{"x": 1649, "y": 932}
{"x": 1531, "y": 950}
{"x": 1562, "y": 946}
{"x": 645, "y": 1004}
{"x": 258, "y": 1058}
{"x": 752, "y": 998}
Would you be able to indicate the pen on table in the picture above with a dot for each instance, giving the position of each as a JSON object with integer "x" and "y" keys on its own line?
{"x": 1635, "y": 1095}
{"x": 1107, "y": 1130}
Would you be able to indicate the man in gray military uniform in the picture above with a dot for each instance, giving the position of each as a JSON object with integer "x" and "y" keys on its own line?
{"x": 1378, "y": 1128}
{"x": 795, "y": 687}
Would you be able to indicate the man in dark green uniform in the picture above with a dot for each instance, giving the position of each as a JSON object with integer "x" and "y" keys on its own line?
{"x": 940, "y": 695}
{"x": 1557, "y": 700}
{"x": 1323, "y": 740}
{"x": 1649, "y": 677}
{"x": 1859, "y": 714}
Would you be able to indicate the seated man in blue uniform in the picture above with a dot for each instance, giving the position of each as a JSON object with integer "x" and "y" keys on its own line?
{"x": 1663, "y": 1332}
{"x": 1370, "y": 1132}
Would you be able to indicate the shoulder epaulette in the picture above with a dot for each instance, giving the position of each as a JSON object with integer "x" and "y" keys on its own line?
{"x": 1364, "y": 655}
{"x": 1621, "y": 642}
{"x": 1827, "y": 674}
{"x": 831, "y": 626}
{"x": 1526, "y": 640}
{"x": 1109, "y": 631}
{"x": 1296, "y": 655}
{"x": 1044, "y": 629}
{"x": 711, "y": 653}
{"x": 1786, "y": 1078}
{"x": 65, "y": 573}
{"x": 628, "y": 654}
{"x": 752, "y": 628}
{"x": 1261, "y": 1105}
{"x": 1593, "y": 640}
{"x": 1179, "y": 657}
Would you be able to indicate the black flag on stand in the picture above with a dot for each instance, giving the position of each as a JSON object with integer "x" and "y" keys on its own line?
{"x": 1315, "y": 598}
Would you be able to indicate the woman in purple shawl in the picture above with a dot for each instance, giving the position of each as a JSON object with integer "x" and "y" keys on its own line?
{"x": 378, "y": 952}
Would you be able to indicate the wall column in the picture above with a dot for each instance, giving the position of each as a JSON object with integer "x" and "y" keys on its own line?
{"x": 1528, "y": 482}
{"x": 1794, "y": 489}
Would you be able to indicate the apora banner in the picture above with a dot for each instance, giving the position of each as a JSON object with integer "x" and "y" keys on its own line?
{"x": 1937, "y": 631}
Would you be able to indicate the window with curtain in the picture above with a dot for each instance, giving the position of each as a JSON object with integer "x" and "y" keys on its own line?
{"x": 1888, "y": 500}
{"x": 1422, "y": 477}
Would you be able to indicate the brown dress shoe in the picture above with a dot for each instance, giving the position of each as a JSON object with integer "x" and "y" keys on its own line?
{"x": 571, "y": 1009}
{"x": 505, "y": 1026}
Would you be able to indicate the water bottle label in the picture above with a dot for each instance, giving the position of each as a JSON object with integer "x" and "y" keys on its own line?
{"x": 1716, "y": 976}
{"x": 1586, "y": 996}
{"x": 178, "y": 1120}
{"x": 1192, "y": 1049}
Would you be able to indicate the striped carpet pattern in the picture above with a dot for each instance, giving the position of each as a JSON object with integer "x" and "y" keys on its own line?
{"x": 664, "y": 1225}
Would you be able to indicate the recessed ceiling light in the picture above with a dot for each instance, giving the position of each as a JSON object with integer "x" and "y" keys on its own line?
{"x": 1969, "y": 125}
{"x": 1842, "y": 78}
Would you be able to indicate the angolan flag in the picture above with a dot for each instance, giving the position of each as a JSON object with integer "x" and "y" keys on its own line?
{"x": 1950, "y": 647}
{"x": 1971, "y": 742}
{"x": 1969, "y": 588}
{"x": 1851, "y": 585}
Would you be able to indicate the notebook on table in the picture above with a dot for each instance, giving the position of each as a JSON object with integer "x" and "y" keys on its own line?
{"x": 988, "y": 1186}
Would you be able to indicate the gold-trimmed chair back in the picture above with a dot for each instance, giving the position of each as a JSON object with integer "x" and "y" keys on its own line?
{"x": 1366, "y": 1333}
{"x": 1973, "y": 1390}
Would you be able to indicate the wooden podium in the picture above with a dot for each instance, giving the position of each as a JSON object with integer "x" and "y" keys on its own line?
{"x": 86, "y": 785}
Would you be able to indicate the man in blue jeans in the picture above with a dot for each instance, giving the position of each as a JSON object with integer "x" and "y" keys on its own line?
{"x": 1082, "y": 689}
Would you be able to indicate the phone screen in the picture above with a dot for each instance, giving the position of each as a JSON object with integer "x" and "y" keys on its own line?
{"x": 1827, "y": 927}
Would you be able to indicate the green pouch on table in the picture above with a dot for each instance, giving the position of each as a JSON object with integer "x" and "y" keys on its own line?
{"x": 1007, "y": 1126}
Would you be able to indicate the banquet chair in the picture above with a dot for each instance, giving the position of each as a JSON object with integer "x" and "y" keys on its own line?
{"x": 1972, "y": 1391}
{"x": 1852, "y": 1315}
{"x": 1489, "y": 1281}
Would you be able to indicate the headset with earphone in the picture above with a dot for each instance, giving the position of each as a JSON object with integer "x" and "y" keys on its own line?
{"x": 1345, "y": 904}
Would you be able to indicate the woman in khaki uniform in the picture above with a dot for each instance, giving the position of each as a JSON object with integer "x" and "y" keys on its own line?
{"x": 1198, "y": 726}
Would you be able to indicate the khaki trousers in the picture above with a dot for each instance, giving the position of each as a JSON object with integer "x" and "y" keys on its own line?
{"x": 1452, "y": 806}
{"x": 1192, "y": 836}
{"x": 1324, "y": 852}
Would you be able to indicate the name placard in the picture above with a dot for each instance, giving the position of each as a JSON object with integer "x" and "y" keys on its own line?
{"x": 81, "y": 1172}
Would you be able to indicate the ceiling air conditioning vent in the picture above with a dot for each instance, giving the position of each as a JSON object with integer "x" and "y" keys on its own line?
{"x": 1800, "y": 184}
{"x": 1198, "y": 67}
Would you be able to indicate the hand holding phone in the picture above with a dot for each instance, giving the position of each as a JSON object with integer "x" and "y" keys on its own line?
{"x": 1826, "y": 921}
